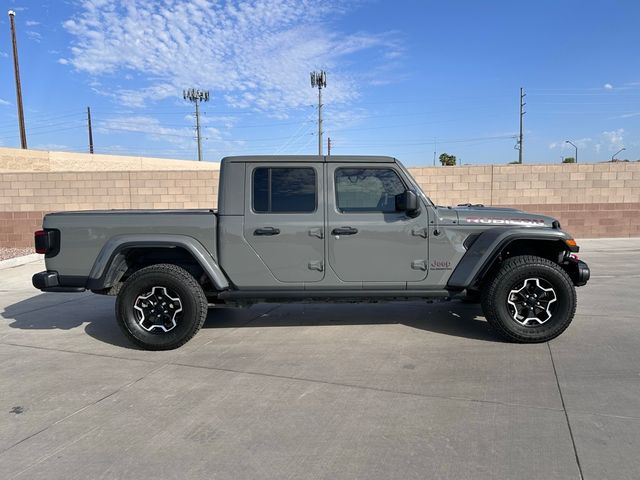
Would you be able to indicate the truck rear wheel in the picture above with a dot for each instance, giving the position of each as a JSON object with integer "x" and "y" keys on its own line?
{"x": 529, "y": 300}
{"x": 161, "y": 307}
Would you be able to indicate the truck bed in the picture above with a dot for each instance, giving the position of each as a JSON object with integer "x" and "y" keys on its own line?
{"x": 83, "y": 234}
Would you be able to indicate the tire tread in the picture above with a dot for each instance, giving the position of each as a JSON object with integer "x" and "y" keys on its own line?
{"x": 181, "y": 275}
{"x": 491, "y": 286}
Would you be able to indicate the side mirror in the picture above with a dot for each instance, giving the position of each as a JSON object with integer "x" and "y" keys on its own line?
{"x": 407, "y": 202}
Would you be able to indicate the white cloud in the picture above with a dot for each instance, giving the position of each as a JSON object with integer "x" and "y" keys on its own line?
{"x": 615, "y": 138}
{"x": 256, "y": 54}
{"x": 563, "y": 145}
{"x": 63, "y": 61}
{"x": 629, "y": 115}
{"x": 608, "y": 86}
{"x": 3, "y": 54}
{"x": 31, "y": 23}
{"x": 33, "y": 35}
{"x": 4, "y": 102}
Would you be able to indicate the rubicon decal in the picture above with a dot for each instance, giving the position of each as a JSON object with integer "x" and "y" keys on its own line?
{"x": 506, "y": 221}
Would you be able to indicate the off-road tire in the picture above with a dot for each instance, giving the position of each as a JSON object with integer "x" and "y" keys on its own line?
{"x": 175, "y": 279}
{"x": 513, "y": 271}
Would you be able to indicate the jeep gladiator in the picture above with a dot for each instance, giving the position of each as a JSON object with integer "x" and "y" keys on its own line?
{"x": 310, "y": 228}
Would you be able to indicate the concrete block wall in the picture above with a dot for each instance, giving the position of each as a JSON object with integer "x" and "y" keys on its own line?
{"x": 17, "y": 160}
{"x": 590, "y": 200}
{"x": 26, "y": 196}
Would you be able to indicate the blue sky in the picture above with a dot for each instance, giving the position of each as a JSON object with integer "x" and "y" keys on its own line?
{"x": 400, "y": 74}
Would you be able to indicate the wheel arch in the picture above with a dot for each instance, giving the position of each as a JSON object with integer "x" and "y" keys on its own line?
{"x": 114, "y": 259}
{"x": 496, "y": 244}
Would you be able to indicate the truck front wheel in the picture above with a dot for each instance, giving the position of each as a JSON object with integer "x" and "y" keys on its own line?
{"x": 529, "y": 300}
{"x": 161, "y": 307}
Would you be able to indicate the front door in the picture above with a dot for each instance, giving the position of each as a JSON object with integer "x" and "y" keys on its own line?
{"x": 368, "y": 240}
{"x": 284, "y": 221}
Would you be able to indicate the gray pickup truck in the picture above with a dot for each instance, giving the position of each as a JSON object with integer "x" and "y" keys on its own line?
{"x": 310, "y": 228}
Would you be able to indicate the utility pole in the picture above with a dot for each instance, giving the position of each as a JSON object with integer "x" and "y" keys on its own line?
{"x": 435, "y": 145}
{"x": 16, "y": 68}
{"x": 319, "y": 80}
{"x": 329, "y": 146}
{"x": 520, "y": 137}
{"x": 196, "y": 96}
{"x": 90, "y": 129}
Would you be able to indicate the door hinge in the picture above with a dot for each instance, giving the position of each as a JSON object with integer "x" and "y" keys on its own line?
{"x": 317, "y": 232}
{"x": 317, "y": 265}
{"x": 419, "y": 232}
{"x": 419, "y": 265}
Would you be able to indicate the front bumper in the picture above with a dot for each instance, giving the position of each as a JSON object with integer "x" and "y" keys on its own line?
{"x": 583, "y": 273}
{"x": 49, "y": 281}
{"x": 578, "y": 271}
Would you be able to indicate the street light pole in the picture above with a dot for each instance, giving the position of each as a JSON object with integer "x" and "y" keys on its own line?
{"x": 16, "y": 68}
{"x": 614, "y": 155}
{"x": 574, "y": 146}
{"x": 319, "y": 80}
{"x": 196, "y": 96}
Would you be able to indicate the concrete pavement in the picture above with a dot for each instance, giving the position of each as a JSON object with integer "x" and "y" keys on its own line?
{"x": 383, "y": 391}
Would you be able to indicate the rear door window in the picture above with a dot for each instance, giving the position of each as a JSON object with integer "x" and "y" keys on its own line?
{"x": 284, "y": 190}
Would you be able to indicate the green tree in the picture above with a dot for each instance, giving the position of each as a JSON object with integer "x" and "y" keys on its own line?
{"x": 568, "y": 160}
{"x": 447, "y": 160}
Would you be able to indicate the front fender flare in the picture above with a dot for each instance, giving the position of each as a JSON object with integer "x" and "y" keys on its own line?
{"x": 488, "y": 245}
{"x": 99, "y": 275}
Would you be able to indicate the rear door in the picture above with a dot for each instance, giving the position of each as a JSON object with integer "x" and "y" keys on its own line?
{"x": 367, "y": 240}
{"x": 284, "y": 221}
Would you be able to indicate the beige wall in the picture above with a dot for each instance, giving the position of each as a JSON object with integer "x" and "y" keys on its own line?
{"x": 590, "y": 200}
{"x": 532, "y": 184}
{"x": 16, "y": 160}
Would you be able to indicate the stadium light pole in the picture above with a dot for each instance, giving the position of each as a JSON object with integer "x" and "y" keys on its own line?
{"x": 319, "y": 80}
{"x": 574, "y": 146}
{"x": 619, "y": 151}
{"x": 196, "y": 96}
{"x": 16, "y": 68}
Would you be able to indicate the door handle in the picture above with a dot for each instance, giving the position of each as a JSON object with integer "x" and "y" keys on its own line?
{"x": 317, "y": 232}
{"x": 344, "y": 231}
{"x": 266, "y": 231}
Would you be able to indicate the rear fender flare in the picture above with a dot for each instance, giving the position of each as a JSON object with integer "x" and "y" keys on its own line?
{"x": 107, "y": 260}
{"x": 484, "y": 250}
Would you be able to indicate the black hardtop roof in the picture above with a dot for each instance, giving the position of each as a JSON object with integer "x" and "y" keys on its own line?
{"x": 309, "y": 158}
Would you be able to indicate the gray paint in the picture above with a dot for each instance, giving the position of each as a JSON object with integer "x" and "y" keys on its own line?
{"x": 391, "y": 251}
{"x": 120, "y": 243}
{"x": 231, "y": 189}
{"x": 489, "y": 243}
{"x": 84, "y": 234}
{"x": 307, "y": 159}
{"x": 289, "y": 254}
{"x": 384, "y": 248}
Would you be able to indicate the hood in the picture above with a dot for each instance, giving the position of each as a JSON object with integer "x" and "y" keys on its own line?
{"x": 480, "y": 215}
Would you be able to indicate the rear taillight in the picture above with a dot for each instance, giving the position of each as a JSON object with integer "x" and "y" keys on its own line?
{"x": 45, "y": 241}
{"x": 41, "y": 239}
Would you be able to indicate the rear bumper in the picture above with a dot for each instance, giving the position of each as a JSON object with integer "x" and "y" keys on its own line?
{"x": 49, "y": 281}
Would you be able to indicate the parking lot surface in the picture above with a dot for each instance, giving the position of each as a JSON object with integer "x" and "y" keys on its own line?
{"x": 323, "y": 391}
